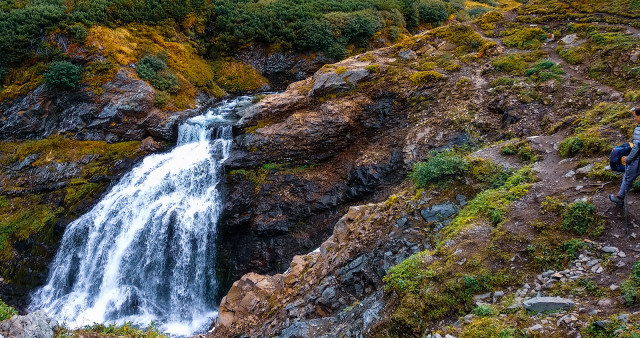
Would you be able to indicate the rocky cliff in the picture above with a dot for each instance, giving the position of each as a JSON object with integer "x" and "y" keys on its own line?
{"x": 541, "y": 95}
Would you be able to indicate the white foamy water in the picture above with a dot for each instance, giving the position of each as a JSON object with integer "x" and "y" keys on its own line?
{"x": 146, "y": 252}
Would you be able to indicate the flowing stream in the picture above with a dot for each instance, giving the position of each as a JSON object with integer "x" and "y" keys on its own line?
{"x": 146, "y": 252}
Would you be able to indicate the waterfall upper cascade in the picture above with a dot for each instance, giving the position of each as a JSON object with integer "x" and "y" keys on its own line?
{"x": 146, "y": 252}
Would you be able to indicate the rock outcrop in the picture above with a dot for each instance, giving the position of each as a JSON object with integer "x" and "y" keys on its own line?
{"x": 35, "y": 324}
{"x": 124, "y": 111}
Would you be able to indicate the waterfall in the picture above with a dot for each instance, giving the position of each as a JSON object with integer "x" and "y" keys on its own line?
{"x": 146, "y": 252}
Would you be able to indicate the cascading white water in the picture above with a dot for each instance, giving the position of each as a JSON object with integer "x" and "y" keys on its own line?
{"x": 146, "y": 252}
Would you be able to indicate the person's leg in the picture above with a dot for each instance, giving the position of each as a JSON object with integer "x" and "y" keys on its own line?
{"x": 630, "y": 173}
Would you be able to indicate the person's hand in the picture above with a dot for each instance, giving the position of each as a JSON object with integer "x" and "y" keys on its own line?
{"x": 624, "y": 160}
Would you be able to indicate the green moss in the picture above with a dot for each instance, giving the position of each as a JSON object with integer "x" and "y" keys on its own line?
{"x": 544, "y": 70}
{"x": 491, "y": 204}
{"x": 127, "y": 330}
{"x": 440, "y": 168}
{"x": 552, "y": 205}
{"x": 407, "y": 276}
{"x": 522, "y": 148}
{"x": 425, "y": 77}
{"x": 340, "y": 70}
{"x": 483, "y": 310}
{"x": 584, "y": 143}
{"x": 465, "y": 37}
{"x": 373, "y": 68}
{"x": 632, "y": 96}
{"x": 574, "y": 55}
{"x": 516, "y": 64}
{"x": 503, "y": 81}
{"x": 525, "y": 38}
{"x": 488, "y": 20}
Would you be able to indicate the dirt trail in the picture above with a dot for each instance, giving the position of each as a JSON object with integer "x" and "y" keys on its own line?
{"x": 557, "y": 177}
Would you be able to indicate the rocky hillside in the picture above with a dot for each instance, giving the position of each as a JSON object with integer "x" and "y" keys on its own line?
{"x": 479, "y": 150}
{"x": 453, "y": 183}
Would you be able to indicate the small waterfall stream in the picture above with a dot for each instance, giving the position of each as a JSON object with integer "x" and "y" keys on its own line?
{"x": 146, "y": 252}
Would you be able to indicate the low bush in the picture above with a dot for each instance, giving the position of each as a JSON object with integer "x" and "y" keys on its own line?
{"x": 630, "y": 287}
{"x": 630, "y": 96}
{"x": 522, "y": 148}
{"x": 586, "y": 143}
{"x": 581, "y": 218}
{"x": 544, "y": 70}
{"x": 573, "y": 55}
{"x": 426, "y": 77}
{"x": 442, "y": 167}
{"x": 154, "y": 69}
{"x": 63, "y": 75}
{"x": 6, "y": 311}
{"x": 525, "y": 38}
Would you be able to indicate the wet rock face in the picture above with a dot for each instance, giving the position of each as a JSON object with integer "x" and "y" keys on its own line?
{"x": 123, "y": 112}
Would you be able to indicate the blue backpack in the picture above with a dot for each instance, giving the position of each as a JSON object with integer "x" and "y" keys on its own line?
{"x": 615, "y": 159}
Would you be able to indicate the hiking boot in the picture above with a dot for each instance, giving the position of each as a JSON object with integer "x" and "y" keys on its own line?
{"x": 616, "y": 199}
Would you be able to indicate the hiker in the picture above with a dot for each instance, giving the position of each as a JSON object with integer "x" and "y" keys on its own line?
{"x": 631, "y": 162}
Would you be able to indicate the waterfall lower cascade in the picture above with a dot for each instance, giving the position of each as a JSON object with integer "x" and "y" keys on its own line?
{"x": 146, "y": 252}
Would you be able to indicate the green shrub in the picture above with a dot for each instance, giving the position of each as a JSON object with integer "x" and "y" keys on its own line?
{"x": 503, "y": 81}
{"x": 483, "y": 310}
{"x": 516, "y": 64}
{"x": 572, "y": 247}
{"x": 544, "y": 70}
{"x": 440, "y": 168}
{"x": 631, "y": 96}
{"x": 525, "y": 38}
{"x": 584, "y": 143}
{"x": 488, "y": 20}
{"x": 79, "y": 32}
{"x": 426, "y": 77}
{"x": 64, "y": 75}
{"x": 580, "y": 217}
{"x": 573, "y": 55}
{"x": 523, "y": 148}
{"x": 154, "y": 69}
{"x": 629, "y": 287}
{"x": 6, "y": 311}
{"x": 161, "y": 99}
{"x": 373, "y": 68}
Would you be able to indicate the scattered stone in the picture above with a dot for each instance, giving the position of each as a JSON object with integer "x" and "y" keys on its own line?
{"x": 623, "y": 317}
{"x": 613, "y": 287}
{"x": 610, "y": 249}
{"x": 401, "y": 222}
{"x": 582, "y": 172}
{"x": 622, "y": 254}
{"x": 462, "y": 200}
{"x": 600, "y": 323}
{"x": 605, "y": 302}
{"x": 407, "y": 54}
{"x": 439, "y": 212}
{"x": 497, "y": 296}
{"x": 556, "y": 275}
{"x": 536, "y": 327}
{"x": 570, "y": 174}
{"x": 542, "y": 304}
{"x": 482, "y": 296}
{"x": 569, "y": 38}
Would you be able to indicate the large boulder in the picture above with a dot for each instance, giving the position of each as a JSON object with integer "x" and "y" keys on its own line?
{"x": 33, "y": 325}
